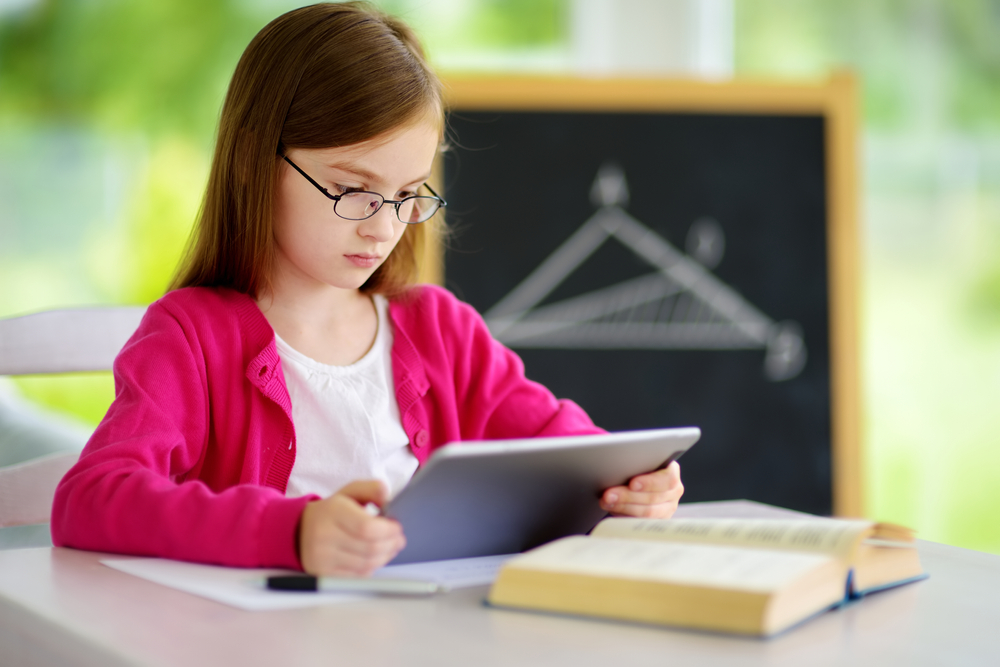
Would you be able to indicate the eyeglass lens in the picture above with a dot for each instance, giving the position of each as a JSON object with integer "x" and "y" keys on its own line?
{"x": 362, "y": 205}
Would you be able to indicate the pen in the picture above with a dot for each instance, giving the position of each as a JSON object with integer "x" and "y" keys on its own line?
{"x": 309, "y": 583}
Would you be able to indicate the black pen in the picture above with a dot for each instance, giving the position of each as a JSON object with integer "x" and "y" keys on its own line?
{"x": 309, "y": 583}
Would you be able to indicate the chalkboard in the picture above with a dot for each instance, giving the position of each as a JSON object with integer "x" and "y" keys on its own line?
{"x": 669, "y": 262}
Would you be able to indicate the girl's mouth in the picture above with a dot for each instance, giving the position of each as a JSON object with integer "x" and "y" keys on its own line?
{"x": 364, "y": 261}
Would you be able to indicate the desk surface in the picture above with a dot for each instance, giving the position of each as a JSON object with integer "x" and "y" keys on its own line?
{"x": 62, "y": 607}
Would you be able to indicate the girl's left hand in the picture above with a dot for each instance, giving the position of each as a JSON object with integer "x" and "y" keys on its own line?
{"x": 651, "y": 495}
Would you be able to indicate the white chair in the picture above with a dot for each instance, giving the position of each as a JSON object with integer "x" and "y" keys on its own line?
{"x": 58, "y": 341}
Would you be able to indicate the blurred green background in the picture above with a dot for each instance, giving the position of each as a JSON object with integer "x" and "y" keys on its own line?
{"x": 108, "y": 110}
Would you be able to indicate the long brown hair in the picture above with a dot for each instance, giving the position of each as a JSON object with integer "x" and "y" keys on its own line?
{"x": 321, "y": 76}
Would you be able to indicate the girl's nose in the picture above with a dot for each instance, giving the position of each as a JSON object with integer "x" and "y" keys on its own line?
{"x": 381, "y": 226}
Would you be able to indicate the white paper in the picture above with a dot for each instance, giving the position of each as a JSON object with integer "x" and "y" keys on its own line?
{"x": 244, "y": 588}
{"x": 457, "y": 573}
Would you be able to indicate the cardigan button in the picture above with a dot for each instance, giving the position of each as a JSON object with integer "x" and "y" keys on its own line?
{"x": 422, "y": 438}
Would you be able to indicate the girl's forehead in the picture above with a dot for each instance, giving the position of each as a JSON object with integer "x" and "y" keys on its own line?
{"x": 426, "y": 124}
{"x": 401, "y": 157}
{"x": 409, "y": 141}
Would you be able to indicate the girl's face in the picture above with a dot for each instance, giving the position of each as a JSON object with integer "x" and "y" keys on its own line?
{"x": 316, "y": 247}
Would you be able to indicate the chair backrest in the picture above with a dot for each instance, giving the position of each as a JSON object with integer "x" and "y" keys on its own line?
{"x": 58, "y": 341}
{"x": 66, "y": 341}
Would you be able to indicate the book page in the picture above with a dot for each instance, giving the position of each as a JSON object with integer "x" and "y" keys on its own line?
{"x": 694, "y": 564}
{"x": 835, "y": 537}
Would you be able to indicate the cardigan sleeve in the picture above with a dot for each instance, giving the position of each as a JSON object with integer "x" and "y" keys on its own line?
{"x": 131, "y": 492}
{"x": 493, "y": 397}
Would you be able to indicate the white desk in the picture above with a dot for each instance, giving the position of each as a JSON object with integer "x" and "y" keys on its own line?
{"x": 62, "y": 607}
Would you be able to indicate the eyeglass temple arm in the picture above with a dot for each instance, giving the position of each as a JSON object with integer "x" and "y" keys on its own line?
{"x": 428, "y": 186}
{"x": 309, "y": 178}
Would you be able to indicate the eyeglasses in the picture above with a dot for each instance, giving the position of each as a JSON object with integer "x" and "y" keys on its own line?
{"x": 363, "y": 205}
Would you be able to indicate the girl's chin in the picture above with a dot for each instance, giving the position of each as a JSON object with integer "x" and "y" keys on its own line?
{"x": 355, "y": 281}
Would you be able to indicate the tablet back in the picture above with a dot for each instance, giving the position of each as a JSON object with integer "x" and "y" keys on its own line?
{"x": 505, "y": 496}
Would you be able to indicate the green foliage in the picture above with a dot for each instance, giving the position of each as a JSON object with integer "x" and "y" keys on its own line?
{"x": 515, "y": 23}
{"x": 984, "y": 302}
{"x": 152, "y": 73}
{"x": 975, "y": 25}
{"x": 134, "y": 261}
{"x": 910, "y": 55}
{"x": 454, "y": 29}
{"x": 931, "y": 390}
{"x": 159, "y": 67}
{"x": 84, "y": 396}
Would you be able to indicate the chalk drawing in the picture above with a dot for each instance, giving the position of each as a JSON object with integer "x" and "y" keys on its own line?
{"x": 681, "y": 305}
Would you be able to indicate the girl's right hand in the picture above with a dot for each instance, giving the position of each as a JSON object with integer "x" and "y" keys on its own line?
{"x": 338, "y": 537}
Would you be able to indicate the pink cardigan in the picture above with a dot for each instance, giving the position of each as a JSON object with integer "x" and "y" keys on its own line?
{"x": 192, "y": 459}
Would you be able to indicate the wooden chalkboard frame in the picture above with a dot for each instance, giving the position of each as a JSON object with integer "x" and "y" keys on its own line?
{"x": 835, "y": 99}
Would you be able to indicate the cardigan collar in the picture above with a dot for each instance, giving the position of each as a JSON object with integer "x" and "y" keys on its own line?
{"x": 264, "y": 369}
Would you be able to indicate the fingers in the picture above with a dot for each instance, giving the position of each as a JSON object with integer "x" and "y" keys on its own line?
{"x": 366, "y": 491}
{"x": 351, "y": 518}
{"x": 643, "y": 511}
{"x": 620, "y": 495}
{"x": 356, "y": 564}
{"x": 338, "y": 537}
{"x": 654, "y": 494}
{"x": 337, "y": 554}
{"x": 658, "y": 480}
{"x": 619, "y": 500}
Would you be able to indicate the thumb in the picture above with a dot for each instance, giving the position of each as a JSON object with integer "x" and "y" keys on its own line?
{"x": 366, "y": 491}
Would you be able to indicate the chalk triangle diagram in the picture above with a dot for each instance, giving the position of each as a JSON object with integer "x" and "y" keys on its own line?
{"x": 681, "y": 305}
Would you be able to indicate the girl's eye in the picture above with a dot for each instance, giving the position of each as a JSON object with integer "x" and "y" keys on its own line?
{"x": 407, "y": 193}
{"x": 345, "y": 189}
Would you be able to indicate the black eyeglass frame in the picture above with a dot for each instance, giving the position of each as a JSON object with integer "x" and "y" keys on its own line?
{"x": 336, "y": 198}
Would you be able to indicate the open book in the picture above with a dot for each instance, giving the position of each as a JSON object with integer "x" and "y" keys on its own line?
{"x": 748, "y": 576}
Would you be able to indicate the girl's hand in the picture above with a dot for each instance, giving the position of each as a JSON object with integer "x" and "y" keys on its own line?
{"x": 651, "y": 495}
{"x": 338, "y": 537}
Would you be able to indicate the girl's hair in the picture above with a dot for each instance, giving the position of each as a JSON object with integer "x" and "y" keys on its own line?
{"x": 322, "y": 76}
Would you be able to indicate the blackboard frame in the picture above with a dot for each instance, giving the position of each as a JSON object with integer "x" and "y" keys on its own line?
{"x": 835, "y": 99}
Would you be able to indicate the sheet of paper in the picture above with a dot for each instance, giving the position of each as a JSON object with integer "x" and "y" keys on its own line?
{"x": 244, "y": 588}
{"x": 457, "y": 573}
{"x": 237, "y": 587}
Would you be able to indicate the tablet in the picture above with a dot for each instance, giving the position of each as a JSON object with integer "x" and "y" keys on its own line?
{"x": 504, "y": 496}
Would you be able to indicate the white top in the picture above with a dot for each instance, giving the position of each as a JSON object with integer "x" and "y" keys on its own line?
{"x": 347, "y": 423}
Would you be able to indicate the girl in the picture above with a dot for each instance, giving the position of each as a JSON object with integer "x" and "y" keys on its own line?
{"x": 293, "y": 375}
